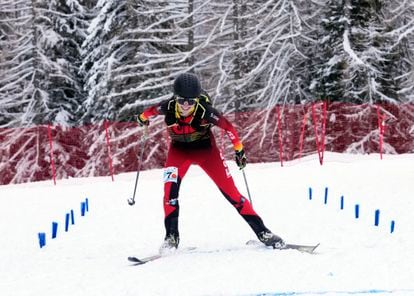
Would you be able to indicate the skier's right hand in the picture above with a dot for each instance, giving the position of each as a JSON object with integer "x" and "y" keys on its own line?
{"x": 142, "y": 120}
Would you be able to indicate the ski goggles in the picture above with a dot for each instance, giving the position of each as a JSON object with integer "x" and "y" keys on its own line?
{"x": 190, "y": 101}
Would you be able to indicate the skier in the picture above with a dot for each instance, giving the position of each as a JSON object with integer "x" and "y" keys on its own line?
{"x": 189, "y": 117}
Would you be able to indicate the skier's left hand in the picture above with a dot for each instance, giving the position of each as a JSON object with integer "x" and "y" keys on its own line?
{"x": 241, "y": 159}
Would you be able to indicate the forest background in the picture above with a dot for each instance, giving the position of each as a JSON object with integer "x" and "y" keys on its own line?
{"x": 73, "y": 62}
{"x": 77, "y": 63}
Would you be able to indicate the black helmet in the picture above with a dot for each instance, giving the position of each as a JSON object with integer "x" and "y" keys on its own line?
{"x": 187, "y": 85}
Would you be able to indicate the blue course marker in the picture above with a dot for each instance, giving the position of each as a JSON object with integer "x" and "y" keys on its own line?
{"x": 67, "y": 216}
{"x": 42, "y": 239}
{"x": 72, "y": 217}
{"x": 54, "y": 229}
{"x": 356, "y": 211}
{"x": 83, "y": 208}
{"x": 377, "y": 215}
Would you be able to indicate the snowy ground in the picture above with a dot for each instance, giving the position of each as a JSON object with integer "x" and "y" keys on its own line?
{"x": 354, "y": 257}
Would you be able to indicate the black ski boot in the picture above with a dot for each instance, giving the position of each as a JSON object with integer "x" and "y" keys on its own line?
{"x": 270, "y": 239}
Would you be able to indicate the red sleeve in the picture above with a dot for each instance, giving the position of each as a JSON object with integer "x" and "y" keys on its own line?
{"x": 158, "y": 109}
{"x": 223, "y": 123}
{"x": 151, "y": 111}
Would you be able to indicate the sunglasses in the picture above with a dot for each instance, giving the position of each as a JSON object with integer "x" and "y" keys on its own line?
{"x": 190, "y": 101}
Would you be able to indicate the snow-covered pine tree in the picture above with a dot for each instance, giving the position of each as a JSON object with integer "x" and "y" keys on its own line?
{"x": 142, "y": 46}
{"x": 264, "y": 63}
{"x": 19, "y": 82}
{"x": 63, "y": 27}
{"x": 305, "y": 18}
{"x": 364, "y": 51}
{"x": 328, "y": 63}
{"x": 40, "y": 59}
{"x": 357, "y": 60}
{"x": 158, "y": 48}
{"x": 399, "y": 25}
{"x": 98, "y": 50}
{"x": 373, "y": 57}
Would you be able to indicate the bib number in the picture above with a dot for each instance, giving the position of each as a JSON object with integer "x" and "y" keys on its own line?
{"x": 171, "y": 174}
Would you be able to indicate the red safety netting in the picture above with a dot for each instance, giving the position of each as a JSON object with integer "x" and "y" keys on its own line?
{"x": 280, "y": 134}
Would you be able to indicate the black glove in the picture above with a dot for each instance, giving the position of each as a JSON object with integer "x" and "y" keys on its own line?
{"x": 241, "y": 159}
{"x": 142, "y": 122}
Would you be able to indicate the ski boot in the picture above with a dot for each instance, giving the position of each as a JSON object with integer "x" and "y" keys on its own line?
{"x": 170, "y": 244}
{"x": 271, "y": 240}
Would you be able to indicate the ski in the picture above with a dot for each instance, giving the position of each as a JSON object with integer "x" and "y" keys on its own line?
{"x": 144, "y": 260}
{"x": 140, "y": 261}
{"x": 301, "y": 248}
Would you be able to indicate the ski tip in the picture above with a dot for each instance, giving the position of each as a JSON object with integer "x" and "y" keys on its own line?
{"x": 144, "y": 260}
{"x": 135, "y": 260}
{"x": 311, "y": 249}
{"x": 301, "y": 248}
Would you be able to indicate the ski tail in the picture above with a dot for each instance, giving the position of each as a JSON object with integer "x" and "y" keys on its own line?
{"x": 301, "y": 248}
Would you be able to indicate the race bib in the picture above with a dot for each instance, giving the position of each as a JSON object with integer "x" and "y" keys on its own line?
{"x": 170, "y": 174}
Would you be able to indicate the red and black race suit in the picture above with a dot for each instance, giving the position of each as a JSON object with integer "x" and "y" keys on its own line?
{"x": 192, "y": 142}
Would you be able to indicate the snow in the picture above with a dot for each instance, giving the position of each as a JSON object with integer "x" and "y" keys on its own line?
{"x": 355, "y": 257}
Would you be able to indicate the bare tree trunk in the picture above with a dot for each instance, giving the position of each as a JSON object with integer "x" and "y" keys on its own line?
{"x": 237, "y": 58}
{"x": 191, "y": 32}
{"x": 239, "y": 36}
{"x": 34, "y": 104}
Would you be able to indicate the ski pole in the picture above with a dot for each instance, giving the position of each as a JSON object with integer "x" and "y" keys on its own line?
{"x": 247, "y": 187}
{"x": 131, "y": 201}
